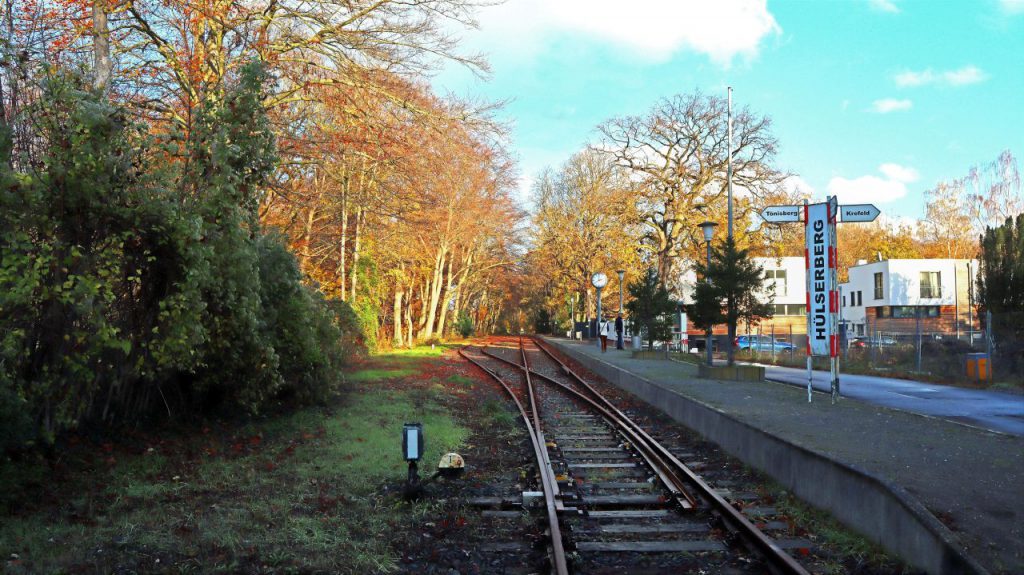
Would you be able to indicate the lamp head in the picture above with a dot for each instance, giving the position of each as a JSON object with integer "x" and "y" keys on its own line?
{"x": 709, "y": 230}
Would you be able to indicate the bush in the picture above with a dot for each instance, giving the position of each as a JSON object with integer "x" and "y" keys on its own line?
{"x": 464, "y": 325}
{"x": 366, "y": 315}
{"x": 134, "y": 283}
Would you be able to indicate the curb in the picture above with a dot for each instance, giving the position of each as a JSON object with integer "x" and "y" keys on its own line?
{"x": 882, "y": 511}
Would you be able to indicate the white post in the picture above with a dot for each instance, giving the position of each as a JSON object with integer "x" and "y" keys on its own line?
{"x": 729, "y": 168}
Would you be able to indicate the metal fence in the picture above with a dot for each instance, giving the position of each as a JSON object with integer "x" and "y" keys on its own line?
{"x": 915, "y": 352}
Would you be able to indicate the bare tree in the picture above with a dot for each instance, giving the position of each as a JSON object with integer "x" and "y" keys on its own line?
{"x": 678, "y": 153}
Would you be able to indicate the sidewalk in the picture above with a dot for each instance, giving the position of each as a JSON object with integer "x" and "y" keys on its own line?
{"x": 971, "y": 479}
{"x": 990, "y": 410}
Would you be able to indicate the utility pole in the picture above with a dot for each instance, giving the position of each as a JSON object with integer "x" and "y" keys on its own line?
{"x": 729, "y": 168}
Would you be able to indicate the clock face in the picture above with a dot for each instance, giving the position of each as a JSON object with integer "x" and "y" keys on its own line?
{"x": 599, "y": 280}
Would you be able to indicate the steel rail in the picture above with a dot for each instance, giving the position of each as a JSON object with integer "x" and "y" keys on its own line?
{"x": 675, "y": 484}
{"x": 779, "y": 560}
{"x": 558, "y": 559}
{"x": 539, "y": 432}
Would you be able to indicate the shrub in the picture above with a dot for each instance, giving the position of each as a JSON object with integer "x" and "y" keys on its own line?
{"x": 464, "y": 325}
{"x": 134, "y": 283}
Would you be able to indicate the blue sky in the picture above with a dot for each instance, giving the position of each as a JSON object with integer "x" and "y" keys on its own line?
{"x": 874, "y": 100}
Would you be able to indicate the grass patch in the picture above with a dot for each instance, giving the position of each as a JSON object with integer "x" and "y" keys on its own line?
{"x": 420, "y": 351}
{"x": 461, "y": 380}
{"x": 375, "y": 374}
{"x": 499, "y": 415}
{"x": 837, "y": 539}
{"x": 294, "y": 493}
{"x": 695, "y": 359}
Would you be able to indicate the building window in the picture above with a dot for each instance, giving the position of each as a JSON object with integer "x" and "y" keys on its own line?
{"x": 878, "y": 285}
{"x": 777, "y": 281}
{"x": 903, "y": 311}
{"x": 930, "y": 285}
{"x": 844, "y": 301}
{"x": 908, "y": 311}
{"x": 860, "y": 298}
{"x": 782, "y": 309}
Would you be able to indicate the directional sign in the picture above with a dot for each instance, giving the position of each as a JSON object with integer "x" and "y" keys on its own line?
{"x": 858, "y": 213}
{"x": 782, "y": 213}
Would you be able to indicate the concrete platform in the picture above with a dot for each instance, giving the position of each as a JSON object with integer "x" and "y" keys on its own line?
{"x": 886, "y": 473}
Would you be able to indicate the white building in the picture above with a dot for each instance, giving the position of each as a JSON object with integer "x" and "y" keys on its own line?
{"x": 897, "y": 295}
{"x": 785, "y": 277}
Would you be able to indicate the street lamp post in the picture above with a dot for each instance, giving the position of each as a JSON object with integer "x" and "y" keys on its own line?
{"x": 621, "y": 336}
{"x": 599, "y": 280}
{"x": 709, "y": 232}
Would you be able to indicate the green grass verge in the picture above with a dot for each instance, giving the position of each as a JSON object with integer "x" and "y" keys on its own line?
{"x": 837, "y": 539}
{"x": 293, "y": 493}
{"x": 375, "y": 374}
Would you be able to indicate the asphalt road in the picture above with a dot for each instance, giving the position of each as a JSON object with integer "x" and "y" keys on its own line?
{"x": 992, "y": 410}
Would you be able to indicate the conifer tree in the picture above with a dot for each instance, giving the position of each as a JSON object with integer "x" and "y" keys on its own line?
{"x": 729, "y": 292}
{"x": 651, "y": 308}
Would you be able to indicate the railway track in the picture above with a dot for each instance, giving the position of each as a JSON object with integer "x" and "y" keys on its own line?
{"x": 615, "y": 497}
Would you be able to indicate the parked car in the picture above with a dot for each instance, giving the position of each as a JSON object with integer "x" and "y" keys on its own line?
{"x": 762, "y": 343}
{"x": 863, "y": 342}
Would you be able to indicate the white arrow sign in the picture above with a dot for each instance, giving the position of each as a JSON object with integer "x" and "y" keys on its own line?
{"x": 858, "y": 213}
{"x": 782, "y": 213}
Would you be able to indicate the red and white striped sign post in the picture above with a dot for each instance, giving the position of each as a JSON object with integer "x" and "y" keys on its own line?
{"x": 822, "y": 288}
{"x": 822, "y": 285}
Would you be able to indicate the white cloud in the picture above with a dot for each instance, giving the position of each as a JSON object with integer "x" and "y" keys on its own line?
{"x": 650, "y": 29}
{"x": 899, "y": 173}
{"x": 886, "y": 105}
{"x": 967, "y": 75}
{"x": 798, "y": 186}
{"x": 884, "y": 6}
{"x": 1012, "y": 6}
{"x": 872, "y": 189}
{"x": 963, "y": 76}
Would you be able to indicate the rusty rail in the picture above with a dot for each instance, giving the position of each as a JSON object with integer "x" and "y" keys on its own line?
{"x": 779, "y": 560}
{"x": 640, "y": 441}
{"x": 547, "y": 476}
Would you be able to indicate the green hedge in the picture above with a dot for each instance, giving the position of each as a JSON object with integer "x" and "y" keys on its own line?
{"x": 135, "y": 278}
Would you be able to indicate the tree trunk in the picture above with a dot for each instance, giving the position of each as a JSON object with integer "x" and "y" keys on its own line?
{"x": 355, "y": 252}
{"x": 343, "y": 248}
{"x": 424, "y": 289}
{"x": 103, "y": 66}
{"x": 446, "y": 300}
{"x": 730, "y": 350}
{"x": 435, "y": 291}
{"x": 307, "y": 239}
{"x": 408, "y": 321}
{"x": 397, "y": 319}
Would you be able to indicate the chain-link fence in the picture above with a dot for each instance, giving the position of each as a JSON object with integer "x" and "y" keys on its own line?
{"x": 992, "y": 353}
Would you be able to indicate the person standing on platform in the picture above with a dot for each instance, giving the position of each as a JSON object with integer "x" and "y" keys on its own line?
{"x": 604, "y": 329}
{"x": 620, "y": 333}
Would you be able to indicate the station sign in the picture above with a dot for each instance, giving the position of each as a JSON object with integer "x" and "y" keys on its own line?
{"x": 848, "y": 213}
{"x": 778, "y": 214}
{"x": 858, "y": 213}
{"x": 822, "y": 297}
